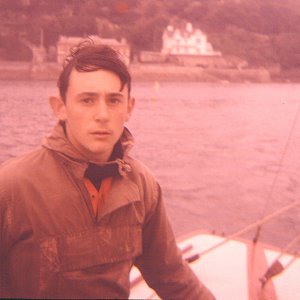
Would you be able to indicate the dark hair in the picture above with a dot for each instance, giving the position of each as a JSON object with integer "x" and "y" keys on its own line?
{"x": 89, "y": 57}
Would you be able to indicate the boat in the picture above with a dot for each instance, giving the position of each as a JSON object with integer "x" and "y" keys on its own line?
{"x": 236, "y": 268}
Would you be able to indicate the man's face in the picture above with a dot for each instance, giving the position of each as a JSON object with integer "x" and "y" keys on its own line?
{"x": 95, "y": 112}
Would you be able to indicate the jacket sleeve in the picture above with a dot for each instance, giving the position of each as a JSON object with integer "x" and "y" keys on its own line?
{"x": 4, "y": 244}
{"x": 161, "y": 263}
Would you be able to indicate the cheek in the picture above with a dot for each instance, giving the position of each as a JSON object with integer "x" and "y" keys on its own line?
{"x": 77, "y": 115}
{"x": 76, "y": 122}
{"x": 125, "y": 118}
{"x": 126, "y": 115}
{"x": 118, "y": 116}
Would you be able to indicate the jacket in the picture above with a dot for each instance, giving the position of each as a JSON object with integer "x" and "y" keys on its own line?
{"x": 52, "y": 246}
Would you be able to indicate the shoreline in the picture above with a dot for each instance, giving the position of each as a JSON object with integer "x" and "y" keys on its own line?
{"x": 155, "y": 72}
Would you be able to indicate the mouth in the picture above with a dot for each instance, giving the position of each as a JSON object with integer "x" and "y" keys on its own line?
{"x": 100, "y": 133}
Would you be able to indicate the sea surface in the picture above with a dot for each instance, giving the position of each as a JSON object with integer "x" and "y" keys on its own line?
{"x": 226, "y": 155}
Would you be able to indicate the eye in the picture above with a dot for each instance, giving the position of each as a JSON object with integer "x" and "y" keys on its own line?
{"x": 114, "y": 100}
{"x": 87, "y": 100}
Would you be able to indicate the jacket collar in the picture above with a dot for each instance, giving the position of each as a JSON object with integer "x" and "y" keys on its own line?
{"x": 59, "y": 143}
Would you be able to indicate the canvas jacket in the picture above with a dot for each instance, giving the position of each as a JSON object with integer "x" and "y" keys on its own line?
{"x": 52, "y": 246}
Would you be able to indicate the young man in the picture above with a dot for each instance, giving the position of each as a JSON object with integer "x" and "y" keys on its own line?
{"x": 78, "y": 213}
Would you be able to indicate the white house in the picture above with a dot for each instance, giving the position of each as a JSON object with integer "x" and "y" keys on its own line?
{"x": 65, "y": 43}
{"x": 186, "y": 41}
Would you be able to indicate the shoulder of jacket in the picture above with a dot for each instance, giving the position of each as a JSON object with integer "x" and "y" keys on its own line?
{"x": 145, "y": 180}
{"x": 23, "y": 166}
{"x": 140, "y": 169}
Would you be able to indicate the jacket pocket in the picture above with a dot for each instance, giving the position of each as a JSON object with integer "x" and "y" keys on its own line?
{"x": 90, "y": 248}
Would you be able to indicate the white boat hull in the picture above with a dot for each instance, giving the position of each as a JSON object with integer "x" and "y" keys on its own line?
{"x": 233, "y": 270}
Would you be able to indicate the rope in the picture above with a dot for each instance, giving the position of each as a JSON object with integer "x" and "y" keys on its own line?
{"x": 274, "y": 182}
{"x": 253, "y": 225}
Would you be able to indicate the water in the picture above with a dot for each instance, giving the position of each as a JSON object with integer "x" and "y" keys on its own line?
{"x": 221, "y": 152}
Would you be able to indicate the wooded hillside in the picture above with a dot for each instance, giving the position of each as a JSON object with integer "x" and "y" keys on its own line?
{"x": 264, "y": 32}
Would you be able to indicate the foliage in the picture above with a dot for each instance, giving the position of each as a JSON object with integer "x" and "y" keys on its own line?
{"x": 263, "y": 32}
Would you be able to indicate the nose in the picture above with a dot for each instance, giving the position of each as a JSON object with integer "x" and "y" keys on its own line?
{"x": 101, "y": 113}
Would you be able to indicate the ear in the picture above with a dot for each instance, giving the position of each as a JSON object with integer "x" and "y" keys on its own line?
{"x": 130, "y": 107}
{"x": 59, "y": 108}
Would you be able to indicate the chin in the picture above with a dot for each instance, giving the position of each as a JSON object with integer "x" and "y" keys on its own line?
{"x": 95, "y": 153}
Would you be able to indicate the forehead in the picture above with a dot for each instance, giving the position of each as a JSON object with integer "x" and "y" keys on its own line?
{"x": 100, "y": 81}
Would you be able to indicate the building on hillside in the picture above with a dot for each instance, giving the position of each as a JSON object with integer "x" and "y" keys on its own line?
{"x": 189, "y": 46}
{"x": 186, "y": 40}
{"x": 65, "y": 43}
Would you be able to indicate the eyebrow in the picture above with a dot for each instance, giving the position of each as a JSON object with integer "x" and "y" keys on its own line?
{"x": 92, "y": 94}
{"x": 119, "y": 94}
{"x": 87, "y": 94}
